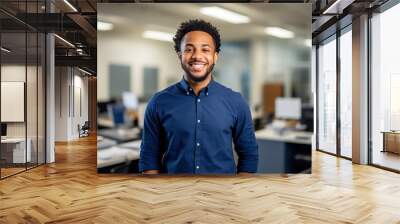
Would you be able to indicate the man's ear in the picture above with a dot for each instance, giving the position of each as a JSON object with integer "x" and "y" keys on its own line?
{"x": 179, "y": 54}
{"x": 215, "y": 57}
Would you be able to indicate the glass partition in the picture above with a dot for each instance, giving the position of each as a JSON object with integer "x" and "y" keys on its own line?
{"x": 385, "y": 89}
{"x": 327, "y": 96}
{"x": 41, "y": 96}
{"x": 22, "y": 77}
{"x": 346, "y": 93}
{"x": 14, "y": 153}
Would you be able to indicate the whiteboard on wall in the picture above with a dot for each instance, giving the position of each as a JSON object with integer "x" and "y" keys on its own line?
{"x": 12, "y": 101}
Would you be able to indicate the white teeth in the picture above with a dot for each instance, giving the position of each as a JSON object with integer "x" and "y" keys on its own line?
{"x": 197, "y": 66}
{"x": 197, "y": 63}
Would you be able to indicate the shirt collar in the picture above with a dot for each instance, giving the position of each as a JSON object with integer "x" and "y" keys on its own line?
{"x": 188, "y": 89}
{"x": 184, "y": 84}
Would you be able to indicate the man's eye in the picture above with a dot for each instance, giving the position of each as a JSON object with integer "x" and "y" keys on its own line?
{"x": 188, "y": 50}
{"x": 206, "y": 50}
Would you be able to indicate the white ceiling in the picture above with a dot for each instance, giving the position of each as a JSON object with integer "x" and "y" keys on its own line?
{"x": 167, "y": 17}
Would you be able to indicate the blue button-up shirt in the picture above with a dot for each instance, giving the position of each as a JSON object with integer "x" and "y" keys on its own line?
{"x": 185, "y": 133}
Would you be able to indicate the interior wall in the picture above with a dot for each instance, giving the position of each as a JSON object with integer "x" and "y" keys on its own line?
{"x": 80, "y": 109}
{"x": 70, "y": 83}
{"x": 136, "y": 52}
{"x": 62, "y": 80}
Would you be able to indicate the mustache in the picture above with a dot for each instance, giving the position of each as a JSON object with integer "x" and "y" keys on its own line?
{"x": 193, "y": 61}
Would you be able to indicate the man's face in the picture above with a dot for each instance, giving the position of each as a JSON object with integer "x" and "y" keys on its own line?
{"x": 198, "y": 55}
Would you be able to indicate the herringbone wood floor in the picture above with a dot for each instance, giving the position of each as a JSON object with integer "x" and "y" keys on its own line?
{"x": 70, "y": 191}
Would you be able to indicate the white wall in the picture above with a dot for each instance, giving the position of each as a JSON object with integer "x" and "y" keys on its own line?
{"x": 61, "y": 103}
{"x": 68, "y": 83}
{"x": 130, "y": 49}
{"x": 80, "y": 82}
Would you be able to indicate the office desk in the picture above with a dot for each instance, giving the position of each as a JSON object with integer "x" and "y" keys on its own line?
{"x": 121, "y": 135}
{"x": 103, "y": 143}
{"x": 287, "y": 153}
{"x": 105, "y": 122}
{"x": 118, "y": 154}
{"x": 13, "y": 150}
{"x": 391, "y": 141}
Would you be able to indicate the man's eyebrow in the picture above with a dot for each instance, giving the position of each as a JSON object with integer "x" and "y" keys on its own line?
{"x": 192, "y": 45}
{"x": 189, "y": 45}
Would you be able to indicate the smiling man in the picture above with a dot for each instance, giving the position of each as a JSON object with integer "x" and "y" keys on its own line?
{"x": 189, "y": 127}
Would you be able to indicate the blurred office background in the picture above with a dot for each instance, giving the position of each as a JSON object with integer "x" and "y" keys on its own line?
{"x": 265, "y": 55}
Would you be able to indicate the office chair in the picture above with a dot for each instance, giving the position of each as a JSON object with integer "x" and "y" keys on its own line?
{"x": 84, "y": 130}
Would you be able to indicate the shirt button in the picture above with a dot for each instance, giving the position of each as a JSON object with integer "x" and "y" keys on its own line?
{"x": 197, "y": 167}
{"x": 187, "y": 93}
{"x": 198, "y": 121}
{"x": 198, "y": 144}
{"x": 198, "y": 100}
{"x": 190, "y": 89}
{"x": 207, "y": 93}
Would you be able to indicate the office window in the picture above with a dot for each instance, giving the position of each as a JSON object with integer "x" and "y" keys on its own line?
{"x": 150, "y": 81}
{"x": 327, "y": 96}
{"x": 385, "y": 89}
{"x": 346, "y": 93}
{"x": 120, "y": 80}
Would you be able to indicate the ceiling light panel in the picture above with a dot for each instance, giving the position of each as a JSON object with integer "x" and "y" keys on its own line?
{"x": 224, "y": 14}
{"x": 279, "y": 32}
{"x": 158, "y": 35}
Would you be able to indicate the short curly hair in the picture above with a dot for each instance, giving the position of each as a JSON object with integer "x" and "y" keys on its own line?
{"x": 196, "y": 25}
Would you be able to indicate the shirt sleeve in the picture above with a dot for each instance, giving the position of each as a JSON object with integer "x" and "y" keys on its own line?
{"x": 150, "y": 152}
{"x": 244, "y": 139}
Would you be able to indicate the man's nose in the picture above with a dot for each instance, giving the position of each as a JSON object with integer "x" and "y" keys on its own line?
{"x": 196, "y": 54}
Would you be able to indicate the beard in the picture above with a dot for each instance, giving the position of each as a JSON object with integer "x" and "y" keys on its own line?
{"x": 194, "y": 78}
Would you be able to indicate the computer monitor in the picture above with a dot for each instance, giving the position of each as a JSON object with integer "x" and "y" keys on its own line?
{"x": 3, "y": 129}
{"x": 118, "y": 114}
{"x": 130, "y": 100}
{"x": 102, "y": 106}
{"x": 288, "y": 108}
